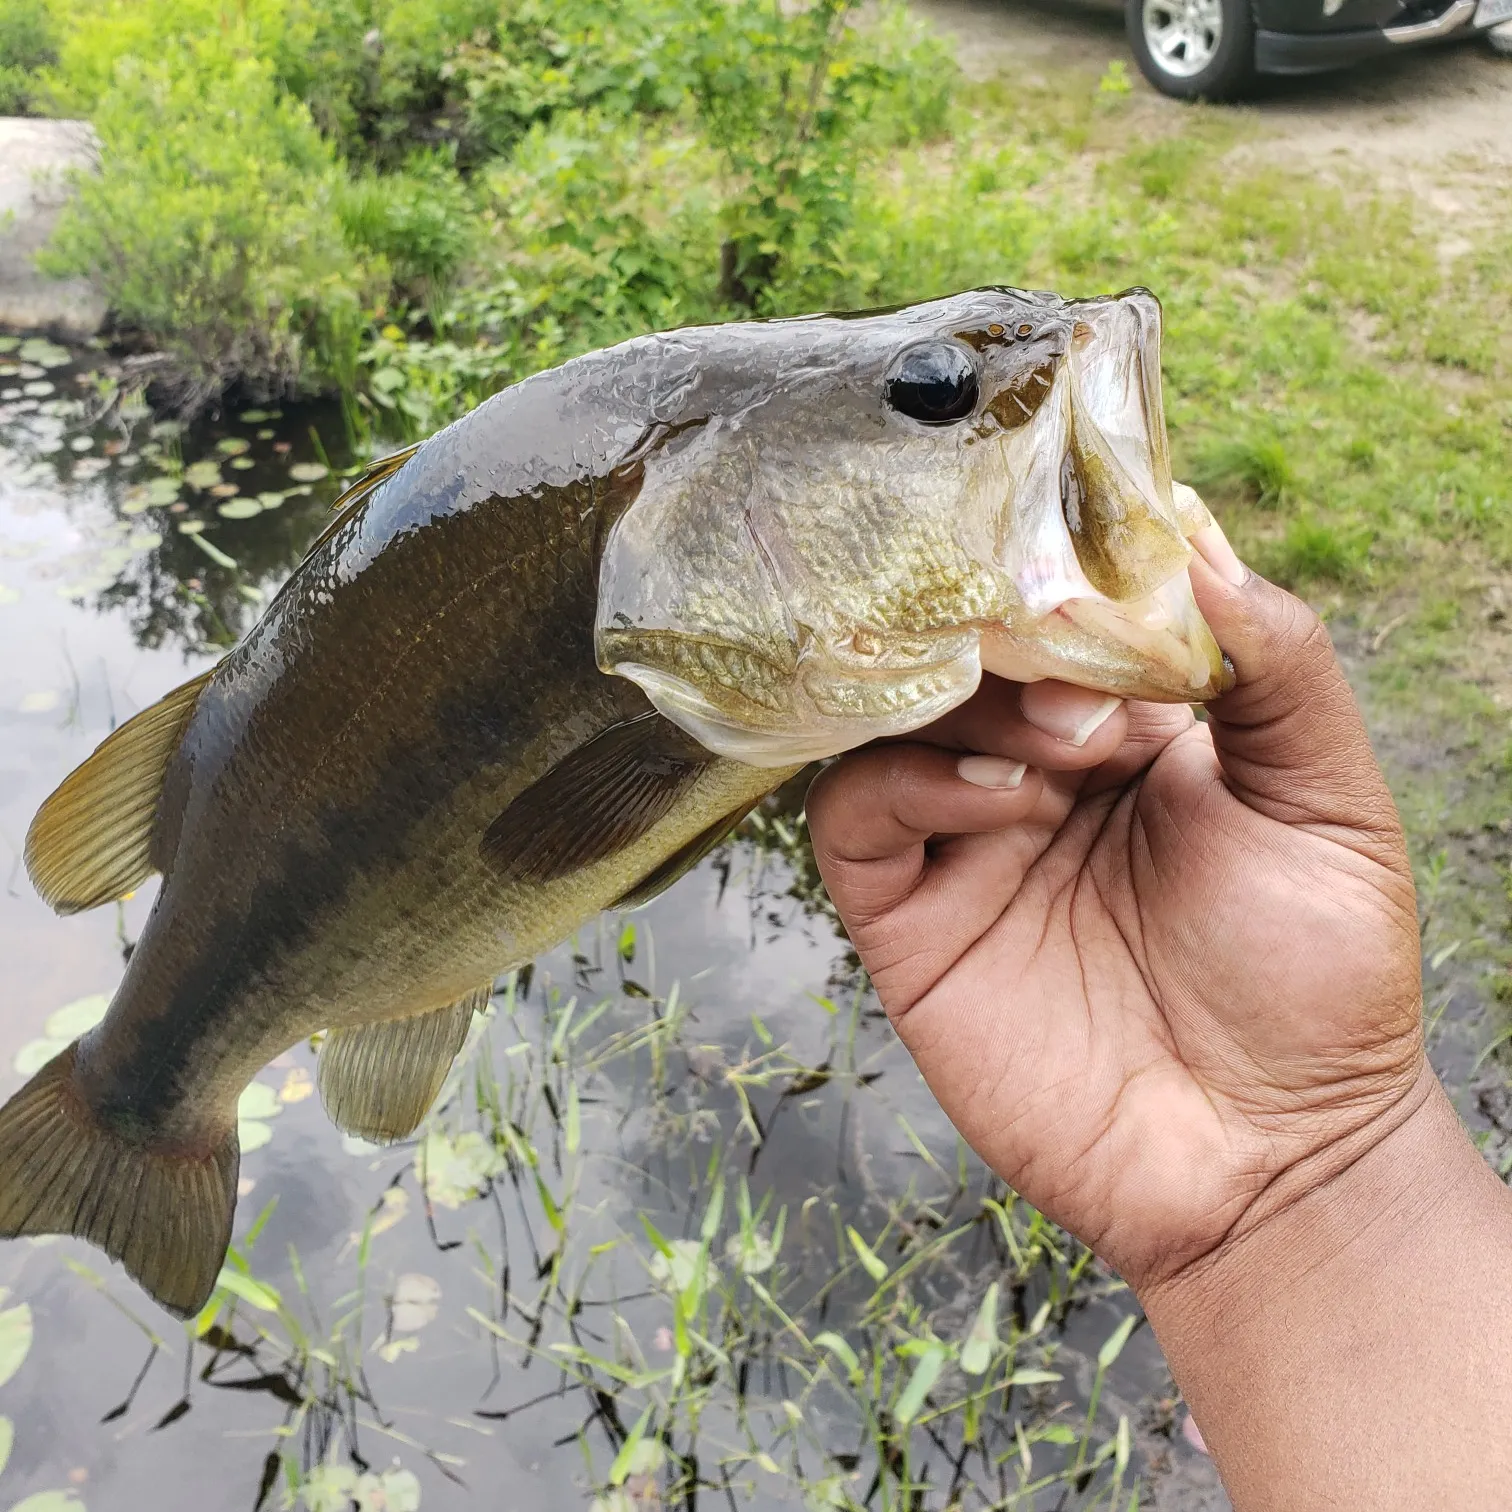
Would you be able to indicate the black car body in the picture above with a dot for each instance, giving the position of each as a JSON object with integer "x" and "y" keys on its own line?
{"x": 1215, "y": 48}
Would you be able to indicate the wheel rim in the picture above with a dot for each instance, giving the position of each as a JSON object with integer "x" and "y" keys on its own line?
{"x": 1182, "y": 35}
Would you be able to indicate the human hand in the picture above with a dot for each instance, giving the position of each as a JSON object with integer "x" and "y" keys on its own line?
{"x": 1169, "y": 983}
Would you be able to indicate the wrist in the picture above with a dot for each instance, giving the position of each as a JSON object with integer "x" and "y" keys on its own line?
{"x": 1360, "y": 1311}
{"x": 1339, "y": 1200}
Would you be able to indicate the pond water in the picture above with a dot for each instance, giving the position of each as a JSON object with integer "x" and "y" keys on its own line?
{"x": 686, "y": 1229}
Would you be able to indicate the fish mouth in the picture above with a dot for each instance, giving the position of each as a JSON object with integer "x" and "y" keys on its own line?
{"x": 1095, "y": 533}
{"x": 1157, "y": 648}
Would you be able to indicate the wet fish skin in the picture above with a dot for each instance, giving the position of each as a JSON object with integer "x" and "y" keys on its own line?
{"x": 414, "y": 773}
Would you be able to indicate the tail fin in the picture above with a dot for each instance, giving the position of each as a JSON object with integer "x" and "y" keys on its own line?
{"x": 166, "y": 1217}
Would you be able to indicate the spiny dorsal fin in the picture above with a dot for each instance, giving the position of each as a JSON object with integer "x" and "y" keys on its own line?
{"x": 378, "y": 1081}
{"x": 359, "y": 490}
{"x": 90, "y": 841}
{"x": 599, "y": 799}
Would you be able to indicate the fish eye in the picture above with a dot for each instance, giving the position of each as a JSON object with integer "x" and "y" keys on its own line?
{"x": 935, "y": 383}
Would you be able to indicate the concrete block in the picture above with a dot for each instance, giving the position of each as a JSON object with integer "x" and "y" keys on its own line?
{"x": 34, "y": 158}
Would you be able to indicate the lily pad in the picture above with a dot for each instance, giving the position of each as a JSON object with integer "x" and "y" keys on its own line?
{"x": 224, "y": 491}
{"x": 81, "y": 444}
{"x": 258, "y": 1103}
{"x": 15, "y": 1339}
{"x": 254, "y": 416}
{"x": 39, "y": 702}
{"x": 270, "y": 500}
{"x": 456, "y": 1171}
{"x": 191, "y": 527}
{"x": 50, "y": 1501}
{"x": 243, "y": 464}
{"x": 7, "y": 1438}
{"x": 334, "y": 1488}
{"x": 77, "y": 1017}
{"x": 9, "y": 595}
{"x": 751, "y": 1253}
{"x": 298, "y": 1085}
{"x": 61, "y": 1029}
{"x": 202, "y": 474}
{"x": 392, "y": 1207}
{"x": 38, "y": 388}
{"x": 239, "y": 509}
{"x": 678, "y": 1271}
{"x": 46, "y": 354}
{"x": 417, "y": 1300}
{"x": 308, "y": 472}
{"x": 232, "y": 446}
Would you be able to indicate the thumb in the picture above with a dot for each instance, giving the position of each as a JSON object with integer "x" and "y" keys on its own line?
{"x": 1289, "y": 735}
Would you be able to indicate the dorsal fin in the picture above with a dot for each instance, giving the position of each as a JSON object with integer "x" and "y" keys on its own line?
{"x": 358, "y": 491}
{"x": 90, "y": 841}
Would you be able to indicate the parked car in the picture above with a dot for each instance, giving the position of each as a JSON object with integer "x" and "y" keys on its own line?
{"x": 1214, "y": 49}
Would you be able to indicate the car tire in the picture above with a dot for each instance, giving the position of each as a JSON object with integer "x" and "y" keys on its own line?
{"x": 1194, "y": 49}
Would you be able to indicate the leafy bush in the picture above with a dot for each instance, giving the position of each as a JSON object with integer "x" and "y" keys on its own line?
{"x": 211, "y": 229}
{"x": 27, "y": 45}
{"x": 533, "y": 175}
{"x": 420, "y": 221}
{"x": 788, "y": 97}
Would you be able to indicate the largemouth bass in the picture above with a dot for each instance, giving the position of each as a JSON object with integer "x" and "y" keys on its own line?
{"x": 542, "y": 663}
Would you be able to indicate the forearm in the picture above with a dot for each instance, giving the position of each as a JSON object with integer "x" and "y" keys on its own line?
{"x": 1355, "y": 1349}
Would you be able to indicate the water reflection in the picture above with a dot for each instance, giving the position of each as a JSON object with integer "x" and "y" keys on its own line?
{"x": 688, "y": 1187}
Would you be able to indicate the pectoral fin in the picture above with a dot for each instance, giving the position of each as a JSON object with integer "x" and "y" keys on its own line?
{"x": 378, "y": 1081}
{"x": 681, "y": 862}
{"x": 91, "y": 840}
{"x": 603, "y": 797}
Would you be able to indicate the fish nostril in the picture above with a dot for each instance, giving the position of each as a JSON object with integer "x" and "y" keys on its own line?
{"x": 1025, "y": 330}
{"x": 864, "y": 643}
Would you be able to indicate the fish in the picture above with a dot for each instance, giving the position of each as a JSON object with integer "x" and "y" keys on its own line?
{"x": 542, "y": 663}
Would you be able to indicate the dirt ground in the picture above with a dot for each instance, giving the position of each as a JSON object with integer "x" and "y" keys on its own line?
{"x": 1426, "y": 121}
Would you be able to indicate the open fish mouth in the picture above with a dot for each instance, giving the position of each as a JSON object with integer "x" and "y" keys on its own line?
{"x": 1096, "y": 532}
{"x": 820, "y": 570}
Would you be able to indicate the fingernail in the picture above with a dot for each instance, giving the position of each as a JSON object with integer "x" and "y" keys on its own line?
{"x": 991, "y": 771}
{"x": 1068, "y": 713}
{"x": 1215, "y": 550}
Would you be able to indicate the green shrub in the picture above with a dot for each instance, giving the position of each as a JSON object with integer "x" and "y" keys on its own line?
{"x": 792, "y": 99}
{"x": 27, "y": 45}
{"x": 420, "y": 221}
{"x": 211, "y": 227}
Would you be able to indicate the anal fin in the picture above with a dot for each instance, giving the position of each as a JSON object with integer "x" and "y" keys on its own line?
{"x": 91, "y": 841}
{"x": 378, "y": 1081}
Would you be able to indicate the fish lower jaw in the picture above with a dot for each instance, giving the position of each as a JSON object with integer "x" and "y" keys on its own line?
{"x": 831, "y": 712}
{"x": 1158, "y": 649}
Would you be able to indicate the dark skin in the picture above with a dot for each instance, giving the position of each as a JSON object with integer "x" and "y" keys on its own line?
{"x": 1167, "y": 984}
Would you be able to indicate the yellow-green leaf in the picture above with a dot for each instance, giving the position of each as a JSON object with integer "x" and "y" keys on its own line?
{"x": 876, "y": 1267}
{"x": 921, "y": 1382}
{"x": 15, "y": 1339}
